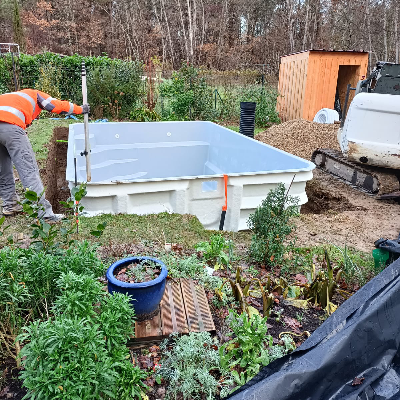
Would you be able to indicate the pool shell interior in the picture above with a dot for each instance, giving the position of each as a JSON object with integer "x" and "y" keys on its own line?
{"x": 129, "y": 151}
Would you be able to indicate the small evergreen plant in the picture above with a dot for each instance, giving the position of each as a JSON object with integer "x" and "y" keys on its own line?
{"x": 271, "y": 224}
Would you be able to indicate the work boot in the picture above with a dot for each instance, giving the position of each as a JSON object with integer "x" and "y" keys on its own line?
{"x": 54, "y": 218}
{"x": 9, "y": 211}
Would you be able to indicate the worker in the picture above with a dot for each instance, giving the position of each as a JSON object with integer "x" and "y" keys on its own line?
{"x": 17, "y": 111}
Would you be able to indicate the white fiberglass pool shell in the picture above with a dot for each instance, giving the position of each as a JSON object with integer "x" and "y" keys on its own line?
{"x": 178, "y": 167}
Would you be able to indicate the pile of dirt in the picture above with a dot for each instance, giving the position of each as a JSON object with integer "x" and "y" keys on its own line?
{"x": 321, "y": 199}
{"x": 301, "y": 137}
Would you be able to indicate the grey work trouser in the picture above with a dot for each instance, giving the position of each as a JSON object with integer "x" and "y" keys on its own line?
{"x": 16, "y": 149}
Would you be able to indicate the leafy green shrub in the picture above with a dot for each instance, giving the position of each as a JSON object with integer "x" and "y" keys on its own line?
{"x": 27, "y": 284}
{"x": 66, "y": 358}
{"x": 130, "y": 382}
{"x": 271, "y": 224}
{"x": 78, "y": 294}
{"x": 114, "y": 92}
{"x": 250, "y": 347}
{"x": 191, "y": 367}
{"x": 82, "y": 352}
{"x": 144, "y": 115}
{"x": 214, "y": 250}
{"x": 49, "y": 80}
{"x": 189, "y": 96}
{"x": 266, "y": 104}
{"x": 107, "y": 79}
{"x": 6, "y": 74}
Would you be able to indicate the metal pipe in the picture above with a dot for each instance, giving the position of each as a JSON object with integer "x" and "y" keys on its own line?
{"x": 346, "y": 100}
{"x": 86, "y": 126}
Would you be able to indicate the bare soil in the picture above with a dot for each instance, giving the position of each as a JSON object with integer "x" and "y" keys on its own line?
{"x": 54, "y": 176}
{"x": 137, "y": 273}
{"x": 10, "y": 385}
{"x": 340, "y": 214}
{"x": 336, "y": 212}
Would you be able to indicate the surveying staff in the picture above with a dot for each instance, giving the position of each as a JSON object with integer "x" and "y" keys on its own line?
{"x": 17, "y": 111}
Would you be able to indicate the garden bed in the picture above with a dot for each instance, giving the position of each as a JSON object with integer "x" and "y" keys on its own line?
{"x": 284, "y": 319}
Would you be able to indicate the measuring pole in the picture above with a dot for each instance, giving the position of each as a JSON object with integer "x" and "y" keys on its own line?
{"x": 86, "y": 153}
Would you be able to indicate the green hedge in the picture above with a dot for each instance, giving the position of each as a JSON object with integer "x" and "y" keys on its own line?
{"x": 106, "y": 78}
{"x": 117, "y": 91}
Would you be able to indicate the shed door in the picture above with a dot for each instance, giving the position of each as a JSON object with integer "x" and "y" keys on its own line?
{"x": 348, "y": 74}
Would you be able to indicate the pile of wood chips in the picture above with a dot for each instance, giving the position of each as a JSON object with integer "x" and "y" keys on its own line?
{"x": 301, "y": 137}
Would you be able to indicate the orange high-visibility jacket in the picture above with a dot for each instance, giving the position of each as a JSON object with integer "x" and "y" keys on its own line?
{"x": 22, "y": 107}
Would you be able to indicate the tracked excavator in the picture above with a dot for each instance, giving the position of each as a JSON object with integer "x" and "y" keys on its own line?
{"x": 369, "y": 136}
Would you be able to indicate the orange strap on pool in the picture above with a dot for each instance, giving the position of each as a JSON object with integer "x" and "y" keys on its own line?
{"x": 225, "y": 207}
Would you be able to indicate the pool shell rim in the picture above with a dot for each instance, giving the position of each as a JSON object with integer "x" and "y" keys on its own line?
{"x": 125, "y": 261}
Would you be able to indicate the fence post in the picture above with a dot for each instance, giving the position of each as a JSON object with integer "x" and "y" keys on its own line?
{"x": 14, "y": 73}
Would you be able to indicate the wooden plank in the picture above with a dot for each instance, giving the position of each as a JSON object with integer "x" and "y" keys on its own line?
{"x": 303, "y": 88}
{"x": 198, "y": 313}
{"x": 204, "y": 309}
{"x": 183, "y": 309}
{"x": 149, "y": 329}
{"x": 173, "y": 311}
{"x": 308, "y": 96}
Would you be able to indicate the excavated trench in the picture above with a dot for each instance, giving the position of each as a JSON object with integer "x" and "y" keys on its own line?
{"x": 322, "y": 199}
{"x": 56, "y": 185}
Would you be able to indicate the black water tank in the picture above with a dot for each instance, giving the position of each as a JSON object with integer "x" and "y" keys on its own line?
{"x": 247, "y": 118}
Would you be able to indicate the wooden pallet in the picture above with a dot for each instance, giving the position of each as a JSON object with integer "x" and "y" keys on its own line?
{"x": 184, "y": 308}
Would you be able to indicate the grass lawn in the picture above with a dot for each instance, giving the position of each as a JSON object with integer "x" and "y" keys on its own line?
{"x": 40, "y": 133}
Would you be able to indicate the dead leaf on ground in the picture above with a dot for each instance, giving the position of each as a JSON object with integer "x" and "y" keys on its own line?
{"x": 301, "y": 279}
{"x": 177, "y": 248}
{"x": 154, "y": 349}
{"x": 150, "y": 381}
{"x": 357, "y": 381}
{"x": 292, "y": 323}
{"x": 145, "y": 362}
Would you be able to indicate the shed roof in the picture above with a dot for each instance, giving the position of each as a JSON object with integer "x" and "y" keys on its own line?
{"x": 327, "y": 51}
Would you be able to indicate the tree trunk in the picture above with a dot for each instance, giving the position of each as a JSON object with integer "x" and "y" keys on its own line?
{"x": 189, "y": 9}
{"x": 183, "y": 30}
{"x": 396, "y": 36}
{"x": 306, "y": 25}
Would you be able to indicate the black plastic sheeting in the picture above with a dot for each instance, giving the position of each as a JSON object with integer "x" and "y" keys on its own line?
{"x": 361, "y": 339}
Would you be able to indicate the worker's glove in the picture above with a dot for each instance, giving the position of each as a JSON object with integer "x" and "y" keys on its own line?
{"x": 85, "y": 109}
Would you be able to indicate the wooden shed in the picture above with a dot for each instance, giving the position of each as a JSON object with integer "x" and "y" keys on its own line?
{"x": 311, "y": 80}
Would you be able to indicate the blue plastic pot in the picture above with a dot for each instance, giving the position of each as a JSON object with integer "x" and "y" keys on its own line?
{"x": 146, "y": 296}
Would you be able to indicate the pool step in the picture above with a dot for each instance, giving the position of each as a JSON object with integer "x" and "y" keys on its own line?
{"x": 184, "y": 308}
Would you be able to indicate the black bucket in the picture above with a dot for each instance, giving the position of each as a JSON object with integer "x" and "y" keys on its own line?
{"x": 247, "y": 118}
